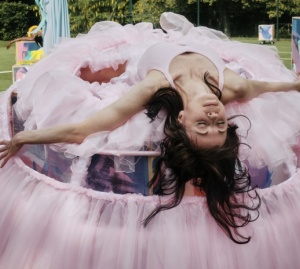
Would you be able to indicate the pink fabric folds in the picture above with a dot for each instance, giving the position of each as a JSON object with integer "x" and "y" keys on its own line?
{"x": 47, "y": 224}
{"x": 52, "y": 93}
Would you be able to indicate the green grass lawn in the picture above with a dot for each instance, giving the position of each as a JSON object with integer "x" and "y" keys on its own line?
{"x": 284, "y": 47}
{"x": 7, "y": 60}
{"x": 7, "y": 57}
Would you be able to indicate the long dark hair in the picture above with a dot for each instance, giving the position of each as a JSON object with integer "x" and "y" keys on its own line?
{"x": 216, "y": 171}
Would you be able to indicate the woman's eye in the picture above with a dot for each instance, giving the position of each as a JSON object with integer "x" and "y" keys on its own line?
{"x": 202, "y": 123}
{"x": 220, "y": 123}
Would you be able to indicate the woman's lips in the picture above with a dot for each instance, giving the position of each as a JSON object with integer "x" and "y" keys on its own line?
{"x": 211, "y": 103}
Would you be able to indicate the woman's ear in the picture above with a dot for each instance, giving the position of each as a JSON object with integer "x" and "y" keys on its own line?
{"x": 180, "y": 117}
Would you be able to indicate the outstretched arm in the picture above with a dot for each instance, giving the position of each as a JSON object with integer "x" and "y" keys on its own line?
{"x": 106, "y": 119}
{"x": 25, "y": 38}
{"x": 237, "y": 88}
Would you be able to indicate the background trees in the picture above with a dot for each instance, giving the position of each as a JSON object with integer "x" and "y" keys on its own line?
{"x": 16, "y": 18}
{"x": 234, "y": 17}
{"x": 84, "y": 13}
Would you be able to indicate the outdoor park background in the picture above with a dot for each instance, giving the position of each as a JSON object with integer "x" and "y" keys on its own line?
{"x": 239, "y": 19}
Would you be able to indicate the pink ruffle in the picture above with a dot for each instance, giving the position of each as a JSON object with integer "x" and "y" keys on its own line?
{"x": 48, "y": 224}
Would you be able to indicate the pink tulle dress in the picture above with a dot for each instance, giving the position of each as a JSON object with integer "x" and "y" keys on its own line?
{"x": 53, "y": 216}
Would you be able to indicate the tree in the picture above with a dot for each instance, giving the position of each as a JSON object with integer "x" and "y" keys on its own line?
{"x": 234, "y": 17}
{"x": 27, "y": 2}
{"x": 84, "y": 13}
{"x": 16, "y": 18}
{"x": 151, "y": 10}
{"x": 241, "y": 17}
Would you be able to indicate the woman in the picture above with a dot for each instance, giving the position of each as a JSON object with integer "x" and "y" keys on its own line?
{"x": 196, "y": 72}
{"x": 38, "y": 38}
{"x": 127, "y": 212}
{"x": 193, "y": 70}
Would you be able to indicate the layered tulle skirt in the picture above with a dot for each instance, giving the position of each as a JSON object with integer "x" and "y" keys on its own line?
{"x": 52, "y": 216}
{"x": 48, "y": 224}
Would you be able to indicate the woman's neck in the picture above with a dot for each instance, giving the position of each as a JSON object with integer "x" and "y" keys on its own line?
{"x": 190, "y": 89}
{"x": 188, "y": 71}
{"x": 190, "y": 190}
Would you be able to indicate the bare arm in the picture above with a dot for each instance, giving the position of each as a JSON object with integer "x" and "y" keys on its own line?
{"x": 106, "y": 119}
{"x": 25, "y": 38}
{"x": 237, "y": 88}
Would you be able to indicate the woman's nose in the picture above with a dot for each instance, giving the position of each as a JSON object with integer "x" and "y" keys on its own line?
{"x": 212, "y": 114}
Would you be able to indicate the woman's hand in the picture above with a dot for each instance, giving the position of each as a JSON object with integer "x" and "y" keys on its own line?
{"x": 8, "y": 149}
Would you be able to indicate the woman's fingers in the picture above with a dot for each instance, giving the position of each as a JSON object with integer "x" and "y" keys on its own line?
{"x": 4, "y": 161}
{"x": 4, "y": 152}
{"x": 3, "y": 145}
{"x": 4, "y": 156}
{"x": 7, "y": 150}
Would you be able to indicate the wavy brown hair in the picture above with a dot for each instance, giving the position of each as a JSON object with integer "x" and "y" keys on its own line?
{"x": 215, "y": 171}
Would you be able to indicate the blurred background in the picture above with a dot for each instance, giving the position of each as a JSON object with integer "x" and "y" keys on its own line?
{"x": 234, "y": 17}
{"x": 239, "y": 19}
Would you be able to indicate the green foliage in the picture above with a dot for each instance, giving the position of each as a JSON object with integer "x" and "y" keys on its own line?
{"x": 223, "y": 15}
{"x": 150, "y": 11}
{"x": 84, "y": 13}
{"x": 16, "y": 18}
{"x": 27, "y": 2}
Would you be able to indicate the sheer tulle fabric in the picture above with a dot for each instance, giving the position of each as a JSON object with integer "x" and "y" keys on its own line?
{"x": 52, "y": 93}
{"x": 48, "y": 224}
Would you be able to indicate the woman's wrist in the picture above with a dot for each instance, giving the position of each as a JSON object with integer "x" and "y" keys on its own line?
{"x": 18, "y": 139}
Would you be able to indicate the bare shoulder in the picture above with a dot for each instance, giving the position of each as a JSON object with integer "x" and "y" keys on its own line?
{"x": 235, "y": 87}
